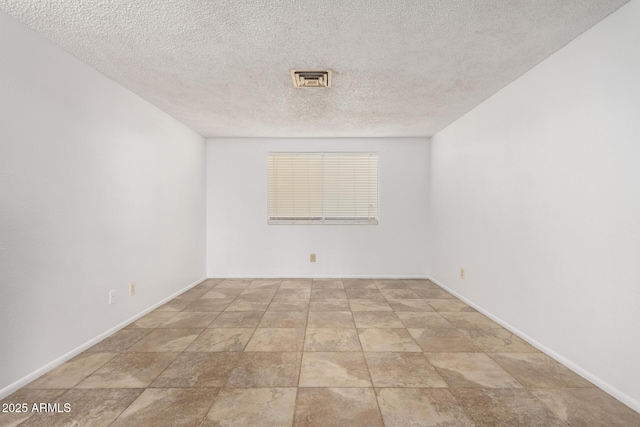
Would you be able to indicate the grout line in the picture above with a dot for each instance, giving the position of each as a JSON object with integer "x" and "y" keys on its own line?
{"x": 306, "y": 327}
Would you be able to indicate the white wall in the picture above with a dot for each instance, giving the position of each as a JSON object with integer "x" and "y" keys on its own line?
{"x": 241, "y": 244}
{"x": 97, "y": 188}
{"x": 536, "y": 193}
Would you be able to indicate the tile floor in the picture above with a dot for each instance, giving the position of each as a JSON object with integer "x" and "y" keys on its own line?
{"x": 351, "y": 352}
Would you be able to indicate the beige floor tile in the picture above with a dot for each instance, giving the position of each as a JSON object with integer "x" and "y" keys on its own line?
{"x": 446, "y": 340}
{"x": 377, "y": 319}
{"x": 327, "y": 284}
{"x": 420, "y": 283}
{"x": 334, "y": 369}
{"x": 272, "y": 407}
{"x": 72, "y": 372}
{"x": 222, "y": 339}
{"x": 208, "y": 304}
{"x": 223, "y": 293}
{"x": 166, "y": 340}
{"x": 402, "y": 370}
{"x": 289, "y": 304}
{"x": 193, "y": 293}
{"x": 588, "y": 407}
{"x": 175, "y": 305}
{"x": 157, "y": 407}
{"x": 421, "y": 320}
{"x": 471, "y": 370}
{"x": 378, "y": 339}
{"x": 209, "y": 283}
{"x": 206, "y": 285}
{"x": 321, "y": 294}
{"x": 331, "y": 339}
{"x": 27, "y": 397}
{"x": 302, "y": 293}
{"x": 358, "y": 284}
{"x": 248, "y": 305}
{"x": 390, "y": 294}
{"x": 129, "y": 370}
{"x": 470, "y": 320}
{"x": 362, "y": 304}
{"x": 390, "y": 284}
{"x": 498, "y": 341}
{"x": 415, "y": 407}
{"x": 329, "y": 305}
{"x": 191, "y": 320}
{"x": 434, "y": 293}
{"x": 238, "y": 319}
{"x": 265, "y": 283}
{"x": 449, "y": 305}
{"x": 321, "y": 407}
{"x": 212, "y": 282}
{"x": 300, "y": 299}
{"x": 296, "y": 284}
{"x": 233, "y": 284}
{"x": 410, "y": 305}
{"x": 276, "y": 339}
{"x": 262, "y": 369}
{"x": 258, "y": 294}
{"x": 293, "y": 299}
{"x": 154, "y": 319}
{"x": 198, "y": 370}
{"x": 365, "y": 293}
{"x": 86, "y": 408}
{"x": 537, "y": 370}
{"x": 506, "y": 407}
{"x": 284, "y": 319}
{"x": 119, "y": 341}
{"x": 330, "y": 319}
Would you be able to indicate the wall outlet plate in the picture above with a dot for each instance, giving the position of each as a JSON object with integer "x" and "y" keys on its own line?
{"x": 312, "y": 258}
{"x": 132, "y": 288}
{"x": 462, "y": 273}
{"x": 112, "y": 297}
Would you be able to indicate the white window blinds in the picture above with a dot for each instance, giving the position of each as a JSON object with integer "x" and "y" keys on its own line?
{"x": 323, "y": 188}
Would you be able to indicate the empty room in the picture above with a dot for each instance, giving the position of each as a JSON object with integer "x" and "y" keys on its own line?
{"x": 297, "y": 213}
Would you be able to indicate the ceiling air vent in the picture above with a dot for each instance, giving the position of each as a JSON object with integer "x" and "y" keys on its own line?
{"x": 309, "y": 78}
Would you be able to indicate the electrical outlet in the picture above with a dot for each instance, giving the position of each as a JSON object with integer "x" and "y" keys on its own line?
{"x": 462, "y": 273}
{"x": 112, "y": 297}
{"x": 132, "y": 288}
{"x": 312, "y": 258}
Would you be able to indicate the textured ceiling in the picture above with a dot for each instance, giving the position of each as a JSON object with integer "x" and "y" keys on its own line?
{"x": 401, "y": 68}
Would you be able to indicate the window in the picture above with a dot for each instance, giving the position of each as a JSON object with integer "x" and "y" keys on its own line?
{"x": 323, "y": 188}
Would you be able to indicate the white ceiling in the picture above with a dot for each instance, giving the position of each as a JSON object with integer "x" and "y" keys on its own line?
{"x": 401, "y": 68}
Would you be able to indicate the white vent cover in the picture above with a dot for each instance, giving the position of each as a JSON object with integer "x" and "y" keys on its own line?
{"x": 311, "y": 78}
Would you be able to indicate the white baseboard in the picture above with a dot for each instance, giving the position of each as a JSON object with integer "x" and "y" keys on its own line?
{"x": 60, "y": 360}
{"x": 605, "y": 386}
{"x": 333, "y": 276}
